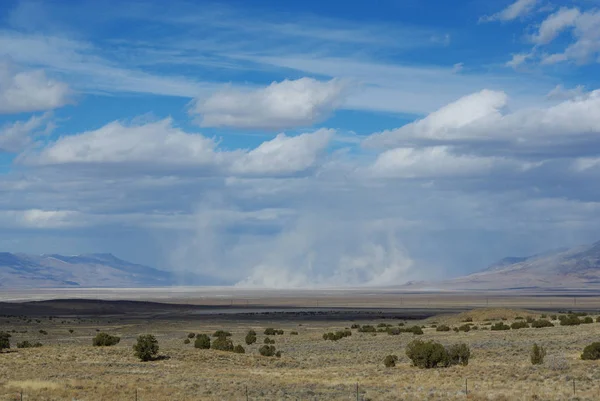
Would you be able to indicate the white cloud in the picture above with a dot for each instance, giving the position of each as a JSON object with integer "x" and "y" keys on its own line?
{"x": 553, "y": 25}
{"x": 518, "y": 59}
{"x": 40, "y": 219}
{"x": 484, "y": 116}
{"x": 153, "y": 143}
{"x": 436, "y": 161}
{"x": 283, "y": 154}
{"x": 280, "y": 105}
{"x": 562, "y": 93}
{"x": 158, "y": 146}
{"x": 28, "y": 91}
{"x": 519, "y": 8}
{"x": 16, "y": 137}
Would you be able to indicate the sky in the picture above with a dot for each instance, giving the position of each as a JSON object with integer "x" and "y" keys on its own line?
{"x": 300, "y": 144}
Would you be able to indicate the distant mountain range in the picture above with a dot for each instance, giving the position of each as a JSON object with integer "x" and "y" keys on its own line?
{"x": 576, "y": 268}
{"x": 18, "y": 270}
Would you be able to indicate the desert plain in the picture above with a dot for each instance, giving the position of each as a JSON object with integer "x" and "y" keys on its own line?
{"x": 68, "y": 367}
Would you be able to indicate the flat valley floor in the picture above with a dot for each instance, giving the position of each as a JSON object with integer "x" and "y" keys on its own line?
{"x": 68, "y": 367}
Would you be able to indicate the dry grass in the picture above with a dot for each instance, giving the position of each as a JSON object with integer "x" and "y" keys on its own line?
{"x": 69, "y": 368}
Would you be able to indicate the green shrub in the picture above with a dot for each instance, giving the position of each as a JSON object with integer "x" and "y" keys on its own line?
{"x": 459, "y": 354}
{"x": 442, "y": 327}
{"x": 591, "y": 352}
{"x": 221, "y": 333}
{"x": 416, "y": 330}
{"x": 43, "y": 332}
{"x": 338, "y": 335}
{"x": 27, "y": 344}
{"x": 455, "y": 329}
{"x": 427, "y": 354}
{"x": 540, "y": 323}
{"x": 186, "y": 341}
{"x": 238, "y": 349}
{"x": 355, "y": 326}
{"x": 598, "y": 319}
{"x": 390, "y": 361}
{"x": 465, "y": 328}
{"x": 268, "y": 341}
{"x": 569, "y": 320}
{"x": 267, "y": 350}
{"x": 250, "y": 337}
{"x": 500, "y": 326}
{"x": 4, "y": 340}
{"x": 587, "y": 320}
{"x": 519, "y": 325}
{"x": 222, "y": 344}
{"x": 105, "y": 340}
{"x": 553, "y": 317}
{"x": 146, "y": 347}
{"x": 367, "y": 329}
{"x": 273, "y": 332}
{"x": 293, "y": 333}
{"x": 394, "y": 331}
{"x": 203, "y": 341}
{"x": 191, "y": 335}
{"x": 543, "y": 316}
{"x": 469, "y": 319}
{"x": 519, "y": 318}
{"x": 529, "y": 319}
{"x": 537, "y": 354}
{"x": 71, "y": 331}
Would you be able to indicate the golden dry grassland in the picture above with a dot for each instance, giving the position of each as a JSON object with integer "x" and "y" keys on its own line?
{"x": 68, "y": 367}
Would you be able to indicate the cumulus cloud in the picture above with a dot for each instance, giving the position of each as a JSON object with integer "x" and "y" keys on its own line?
{"x": 280, "y": 105}
{"x": 28, "y": 91}
{"x": 519, "y": 8}
{"x": 484, "y": 116}
{"x": 159, "y": 146}
{"x": 561, "y": 93}
{"x": 283, "y": 154}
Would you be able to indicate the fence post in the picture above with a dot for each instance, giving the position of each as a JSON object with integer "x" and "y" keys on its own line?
{"x": 357, "y": 396}
{"x": 573, "y": 386}
{"x": 136, "y": 398}
{"x": 246, "y": 392}
{"x": 466, "y": 386}
{"x": 21, "y": 395}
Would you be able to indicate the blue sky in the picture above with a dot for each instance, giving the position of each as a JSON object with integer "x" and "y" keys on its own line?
{"x": 292, "y": 144}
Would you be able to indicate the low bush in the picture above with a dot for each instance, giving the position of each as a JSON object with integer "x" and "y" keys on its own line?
{"x": 268, "y": 341}
{"x": 469, "y": 319}
{"x": 71, "y": 331}
{"x": 390, "y": 361}
{"x": 222, "y": 344}
{"x": 427, "y": 354}
{"x": 591, "y": 352}
{"x": 238, "y": 349}
{"x": 105, "y": 340}
{"x": 553, "y": 317}
{"x": 394, "y": 331}
{"x": 465, "y": 328}
{"x": 338, "y": 335}
{"x": 272, "y": 332}
{"x": 221, "y": 333}
{"x": 191, "y": 335}
{"x": 543, "y": 316}
{"x": 529, "y": 319}
{"x": 537, "y": 354}
{"x": 519, "y": 325}
{"x": 250, "y": 337}
{"x": 416, "y": 330}
{"x": 355, "y": 326}
{"x": 459, "y": 354}
{"x": 540, "y": 323}
{"x": 587, "y": 320}
{"x": 293, "y": 333}
{"x": 598, "y": 319}
{"x": 4, "y": 340}
{"x": 43, "y": 332}
{"x": 267, "y": 350}
{"x": 27, "y": 344}
{"x": 203, "y": 341}
{"x": 367, "y": 329}
{"x": 569, "y": 320}
{"x": 146, "y": 347}
{"x": 442, "y": 327}
{"x": 186, "y": 341}
{"x": 500, "y": 326}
